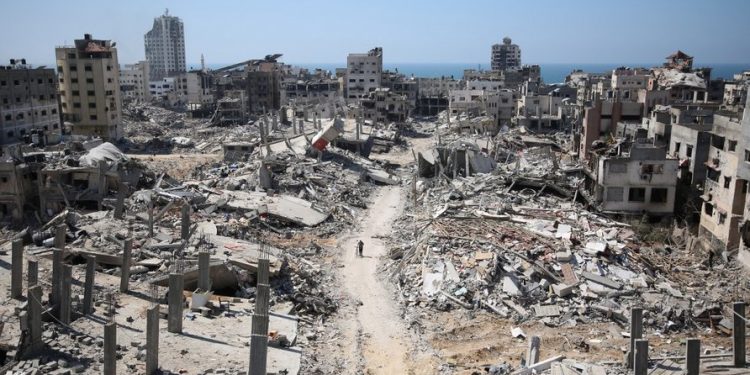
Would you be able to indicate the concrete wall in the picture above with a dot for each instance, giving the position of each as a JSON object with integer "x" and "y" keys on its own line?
{"x": 623, "y": 174}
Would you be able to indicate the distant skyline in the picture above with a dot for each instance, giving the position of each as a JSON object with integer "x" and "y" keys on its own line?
{"x": 417, "y": 31}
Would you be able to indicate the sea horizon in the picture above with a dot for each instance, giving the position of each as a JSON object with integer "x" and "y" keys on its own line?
{"x": 551, "y": 72}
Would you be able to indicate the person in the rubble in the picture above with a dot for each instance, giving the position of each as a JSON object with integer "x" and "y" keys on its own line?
{"x": 360, "y": 247}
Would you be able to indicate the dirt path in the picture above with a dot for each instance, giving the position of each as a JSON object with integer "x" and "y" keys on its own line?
{"x": 382, "y": 338}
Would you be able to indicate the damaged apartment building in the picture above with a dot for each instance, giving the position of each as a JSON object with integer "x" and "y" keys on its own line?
{"x": 46, "y": 182}
{"x": 724, "y": 214}
{"x": 632, "y": 178}
{"x": 29, "y": 110}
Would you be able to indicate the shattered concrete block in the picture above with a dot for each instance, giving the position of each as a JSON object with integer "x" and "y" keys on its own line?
{"x": 562, "y": 290}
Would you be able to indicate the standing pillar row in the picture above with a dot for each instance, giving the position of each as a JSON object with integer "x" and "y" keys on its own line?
{"x": 57, "y": 263}
{"x": 636, "y": 332}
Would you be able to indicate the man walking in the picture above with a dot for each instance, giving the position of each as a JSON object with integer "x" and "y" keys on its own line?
{"x": 360, "y": 246}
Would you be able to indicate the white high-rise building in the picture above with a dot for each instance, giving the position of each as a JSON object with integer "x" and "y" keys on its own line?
{"x": 165, "y": 47}
{"x": 506, "y": 55}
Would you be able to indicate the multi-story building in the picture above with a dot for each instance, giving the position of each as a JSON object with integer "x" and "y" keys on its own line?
{"x": 263, "y": 86}
{"x": 727, "y": 176}
{"x": 363, "y": 73}
{"x": 89, "y": 81}
{"x": 134, "y": 81}
{"x": 199, "y": 90}
{"x": 735, "y": 92}
{"x": 638, "y": 179}
{"x": 384, "y": 106}
{"x": 506, "y": 55}
{"x": 165, "y": 47}
{"x": 432, "y": 94}
{"x": 400, "y": 84}
{"x": 600, "y": 120}
{"x": 28, "y": 104}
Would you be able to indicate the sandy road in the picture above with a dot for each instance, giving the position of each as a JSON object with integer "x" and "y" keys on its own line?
{"x": 383, "y": 339}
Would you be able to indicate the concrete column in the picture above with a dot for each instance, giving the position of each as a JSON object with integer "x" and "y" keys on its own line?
{"x": 125, "y": 269}
{"x": 16, "y": 277}
{"x": 204, "y": 271}
{"x": 185, "y": 225}
{"x": 57, "y": 257}
{"x": 151, "y": 220}
{"x": 88, "y": 286}
{"x": 641, "y": 357}
{"x": 60, "y": 231}
{"x": 259, "y": 329}
{"x": 176, "y": 286}
{"x": 636, "y": 331}
{"x": 693, "y": 357}
{"x": 35, "y": 316}
{"x": 738, "y": 334}
{"x": 65, "y": 300}
{"x": 110, "y": 349}
{"x": 152, "y": 340}
{"x": 32, "y": 272}
{"x": 532, "y": 356}
{"x": 301, "y": 127}
{"x": 120, "y": 201}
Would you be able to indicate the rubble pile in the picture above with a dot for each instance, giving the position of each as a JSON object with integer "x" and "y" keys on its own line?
{"x": 518, "y": 243}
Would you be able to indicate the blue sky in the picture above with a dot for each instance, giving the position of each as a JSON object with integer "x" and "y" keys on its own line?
{"x": 307, "y": 31}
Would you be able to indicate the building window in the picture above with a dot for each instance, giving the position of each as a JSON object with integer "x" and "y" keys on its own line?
{"x": 689, "y": 151}
{"x": 614, "y": 194}
{"x": 731, "y": 145}
{"x": 76, "y": 93}
{"x": 747, "y": 156}
{"x": 637, "y": 194}
{"x": 722, "y": 218}
{"x": 74, "y": 80}
{"x": 92, "y": 117}
{"x": 677, "y": 148}
{"x": 708, "y": 208}
{"x": 92, "y": 105}
{"x": 659, "y": 195}
{"x": 76, "y": 105}
{"x": 727, "y": 182}
{"x": 87, "y": 68}
{"x": 73, "y": 68}
{"x": 90, "y": 93}
{"x": 59, "y": 69}
{"x": 8, "y": 117}
{"x": 54, "y": 111}
{"x": 89, "y": 80}
{"x": 72, "y": 55}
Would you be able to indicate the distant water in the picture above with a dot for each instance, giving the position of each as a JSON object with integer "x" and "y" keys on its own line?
{"x": 551, "y": 73}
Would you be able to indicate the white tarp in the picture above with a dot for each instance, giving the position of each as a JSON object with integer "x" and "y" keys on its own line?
{"x": 105, "y": 152}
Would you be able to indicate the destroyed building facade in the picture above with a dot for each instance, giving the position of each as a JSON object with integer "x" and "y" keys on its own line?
{"x": 89, "y": 82}
{"x": 506, "y": 55}
{"x": 29, "y": 109}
